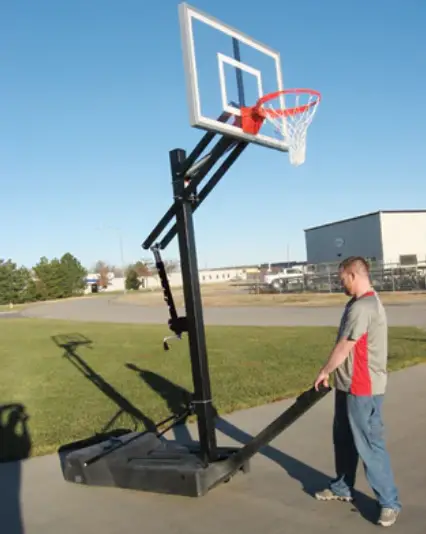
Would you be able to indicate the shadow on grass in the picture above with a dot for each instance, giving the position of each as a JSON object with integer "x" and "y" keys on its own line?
{"x": 15, "y": 446}
{"x": 176, "y": 397}
{"x": 310, "y": 478}
{"x": 71, "y": 343}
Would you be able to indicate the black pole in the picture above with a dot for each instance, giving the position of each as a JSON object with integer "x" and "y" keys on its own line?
{"x": 240, "y": 84}
{"x": 304, "y": 402}
{"x": 194, "y": 312}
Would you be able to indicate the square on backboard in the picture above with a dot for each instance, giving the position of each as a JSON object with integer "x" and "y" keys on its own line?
{"x": 226, "y": 69}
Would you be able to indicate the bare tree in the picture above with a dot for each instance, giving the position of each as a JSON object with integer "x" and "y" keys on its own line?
{"x": 144, "y": 268}
{"x": 171, "y": 266}
{"x": 118, "y": 272}
{"x": 102, "y": 269}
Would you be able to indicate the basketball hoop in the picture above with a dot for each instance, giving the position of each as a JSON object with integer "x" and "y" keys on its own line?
{"x": 290, "y": 123}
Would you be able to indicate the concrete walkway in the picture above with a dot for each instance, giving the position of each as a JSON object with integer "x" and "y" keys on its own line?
{"x": 273, "y": 498}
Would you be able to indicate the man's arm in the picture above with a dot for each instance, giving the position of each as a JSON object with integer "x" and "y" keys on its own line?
{"x": 355, "y": 327}
{"x": 338, "y": 355}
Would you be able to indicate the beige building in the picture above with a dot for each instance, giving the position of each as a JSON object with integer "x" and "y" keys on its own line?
{"x": 397, "y": 237}
{"x": 206, "y": 276}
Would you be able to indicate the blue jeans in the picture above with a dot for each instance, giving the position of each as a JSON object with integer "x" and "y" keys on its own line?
{"x": 358, "y": 433}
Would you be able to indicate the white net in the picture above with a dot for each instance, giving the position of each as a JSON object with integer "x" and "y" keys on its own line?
{"x": 293, "y": 127}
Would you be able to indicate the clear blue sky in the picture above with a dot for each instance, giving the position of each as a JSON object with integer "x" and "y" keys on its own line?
{"x": 80, "y": 147}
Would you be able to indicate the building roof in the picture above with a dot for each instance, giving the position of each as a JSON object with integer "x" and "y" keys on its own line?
{"x": 229, "y": 268}
{"x": 263, "y": 265}
{"x": 372, "y": 213}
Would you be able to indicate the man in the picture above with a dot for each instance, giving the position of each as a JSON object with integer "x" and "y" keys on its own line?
{"x": 359, "y": 363}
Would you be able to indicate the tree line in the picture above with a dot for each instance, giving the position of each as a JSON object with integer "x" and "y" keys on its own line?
{"x": 47, "y": 280}
{"x": 65, "y": 277}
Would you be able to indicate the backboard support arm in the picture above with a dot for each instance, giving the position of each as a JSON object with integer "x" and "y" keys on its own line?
{"x": 208, "y": 187}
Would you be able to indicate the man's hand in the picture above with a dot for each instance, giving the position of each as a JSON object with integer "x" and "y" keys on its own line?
{"x": 322, "y": 378}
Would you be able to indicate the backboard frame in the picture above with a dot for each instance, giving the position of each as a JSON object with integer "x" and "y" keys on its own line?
{"x": 187, "y": 13}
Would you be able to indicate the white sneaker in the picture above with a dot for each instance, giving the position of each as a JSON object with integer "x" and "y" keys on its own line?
{"x": 388, "y": 516}
{"x": 328, "y": 495}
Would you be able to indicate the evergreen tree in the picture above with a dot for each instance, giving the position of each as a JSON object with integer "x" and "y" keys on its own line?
{"x": 75, "y": 275}
{"x": 14, "y": 282}
{"x": 132, "y": 280}
{"x": 57, "y": 279}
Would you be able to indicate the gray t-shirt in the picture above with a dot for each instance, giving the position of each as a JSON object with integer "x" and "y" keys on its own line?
{"x": 364, "y": 372}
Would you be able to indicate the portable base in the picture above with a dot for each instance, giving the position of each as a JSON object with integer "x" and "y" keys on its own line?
{"x": 147, "y": 463}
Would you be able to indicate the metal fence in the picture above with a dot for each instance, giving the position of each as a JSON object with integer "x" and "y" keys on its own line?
{"x": 323, "y": 278}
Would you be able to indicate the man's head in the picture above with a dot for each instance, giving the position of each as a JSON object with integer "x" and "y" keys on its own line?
{"x": 354, "y": 275}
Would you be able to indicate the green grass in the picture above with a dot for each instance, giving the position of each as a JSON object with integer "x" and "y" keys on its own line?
{"x": 249, "y": 366}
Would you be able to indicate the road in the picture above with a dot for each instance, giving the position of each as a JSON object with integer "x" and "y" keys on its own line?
{"x": 9, "y": 315}
{"x": 110, "y": 310}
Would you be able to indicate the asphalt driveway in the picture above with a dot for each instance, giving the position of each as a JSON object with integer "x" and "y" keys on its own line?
{"x": 103, "y": 309}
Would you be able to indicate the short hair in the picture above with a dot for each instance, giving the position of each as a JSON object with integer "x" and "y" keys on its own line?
{"x": 357, "y": 263}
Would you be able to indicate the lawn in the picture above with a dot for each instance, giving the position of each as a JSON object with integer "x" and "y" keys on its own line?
{"x": 124, "y": 371}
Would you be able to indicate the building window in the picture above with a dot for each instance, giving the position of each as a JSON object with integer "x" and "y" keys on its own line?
{"x": 408, "y": 259}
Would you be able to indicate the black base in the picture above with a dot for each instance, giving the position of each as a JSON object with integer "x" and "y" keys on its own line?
{"x": 149, "y": 464}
